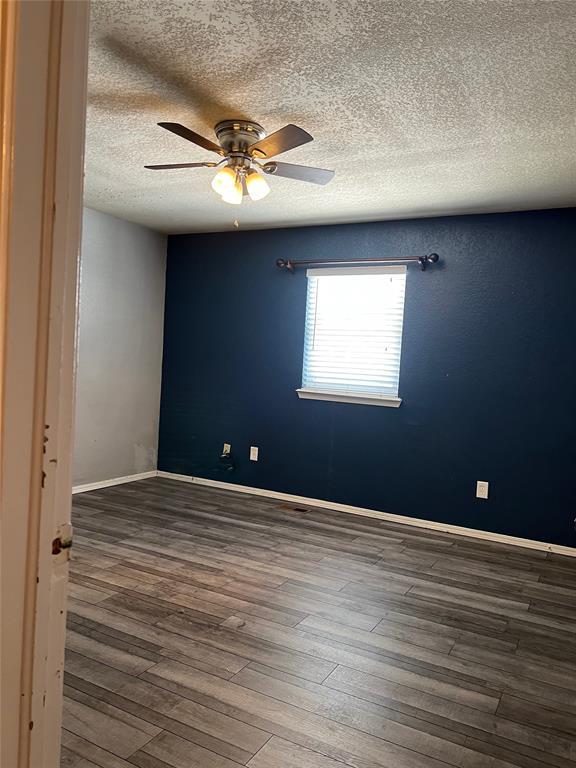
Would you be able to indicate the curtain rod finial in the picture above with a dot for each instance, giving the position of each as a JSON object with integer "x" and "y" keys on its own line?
{"x": 285, "y": 264}
{"x": 430, "y": 258}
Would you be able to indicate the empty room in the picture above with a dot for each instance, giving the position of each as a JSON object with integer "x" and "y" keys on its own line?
{"x": 322, "y": 453}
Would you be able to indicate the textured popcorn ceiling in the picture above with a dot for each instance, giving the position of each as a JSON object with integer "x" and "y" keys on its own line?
{"x": 421, "y": 107}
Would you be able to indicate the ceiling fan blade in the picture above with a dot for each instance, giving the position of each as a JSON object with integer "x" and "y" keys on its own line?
{"x": 195, "y": 138}
{"x": 179, "y": 165}
{"x": 299, "y": 172}
{"x": 280, "y": 141}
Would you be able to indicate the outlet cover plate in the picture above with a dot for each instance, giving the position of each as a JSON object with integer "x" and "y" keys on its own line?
{"x": 253, "y": 453}
{"x": 482, "y": 489}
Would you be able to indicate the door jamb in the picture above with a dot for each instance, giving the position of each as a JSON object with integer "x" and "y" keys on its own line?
{"x": 42, "y": 129}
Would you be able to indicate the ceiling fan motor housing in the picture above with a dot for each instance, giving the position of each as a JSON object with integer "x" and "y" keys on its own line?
{"x": 236, "y": 136}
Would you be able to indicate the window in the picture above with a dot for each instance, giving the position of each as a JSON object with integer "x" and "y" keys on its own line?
{"x": 353, "y": 334}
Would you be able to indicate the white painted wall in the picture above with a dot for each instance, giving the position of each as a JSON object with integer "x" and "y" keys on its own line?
{"x": 121, "y": 319}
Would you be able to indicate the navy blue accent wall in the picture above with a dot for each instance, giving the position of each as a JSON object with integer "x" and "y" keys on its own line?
{"x": 487, "y": 376}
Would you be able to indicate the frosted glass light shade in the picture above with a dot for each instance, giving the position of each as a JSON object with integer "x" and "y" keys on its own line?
{"x": 224, "y": 179}
{"x": 233, "y": 194}
{"x": 257, "y": 185}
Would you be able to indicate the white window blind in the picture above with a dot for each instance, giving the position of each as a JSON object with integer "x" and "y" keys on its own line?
{"x": 353, "y": 336}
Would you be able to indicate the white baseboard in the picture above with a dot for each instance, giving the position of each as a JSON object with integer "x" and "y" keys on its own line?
{"x": 309, "y": 502}
{"x": 414, "y": 521}
{"x": 113, "y": 481}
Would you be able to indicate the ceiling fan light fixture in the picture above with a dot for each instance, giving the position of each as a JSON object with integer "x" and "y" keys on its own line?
{"x": 224, "y": 180}
{"x": 234, "y": 193}
{"x": 256, "y": 185}
{"x": 240, "y": 143}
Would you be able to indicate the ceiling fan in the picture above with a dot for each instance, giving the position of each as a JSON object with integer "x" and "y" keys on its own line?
{"x": 242, "y": 144}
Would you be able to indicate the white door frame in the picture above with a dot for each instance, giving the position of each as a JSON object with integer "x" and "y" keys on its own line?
{"x": 44, "y": 45}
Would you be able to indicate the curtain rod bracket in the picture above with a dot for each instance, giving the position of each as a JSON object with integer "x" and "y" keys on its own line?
{"x": 424, "y": 261}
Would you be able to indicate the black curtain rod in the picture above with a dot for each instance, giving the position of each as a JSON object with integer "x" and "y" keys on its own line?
{"x": 424, "y": 261}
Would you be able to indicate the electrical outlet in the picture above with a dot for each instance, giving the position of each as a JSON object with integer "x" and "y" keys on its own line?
{"x": 253, "y": 453}
{"x": 226, "y": 450}
{"x": 482, "y": 489}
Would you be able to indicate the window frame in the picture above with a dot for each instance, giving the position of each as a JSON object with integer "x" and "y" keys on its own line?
{"x": 339, "y": 396}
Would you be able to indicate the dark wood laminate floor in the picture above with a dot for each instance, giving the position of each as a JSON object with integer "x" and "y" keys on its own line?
{"x": 210, "y": 629}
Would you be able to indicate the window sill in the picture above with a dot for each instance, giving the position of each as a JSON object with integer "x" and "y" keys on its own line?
{"x": 388, "y": 401}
